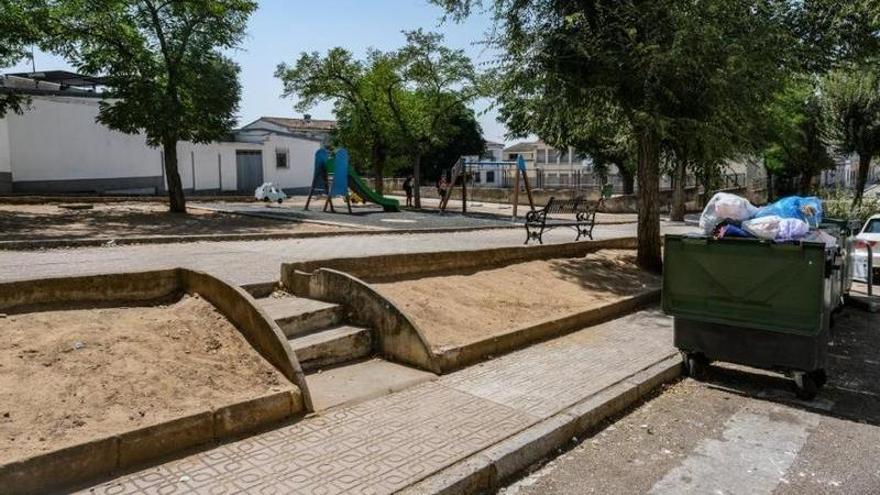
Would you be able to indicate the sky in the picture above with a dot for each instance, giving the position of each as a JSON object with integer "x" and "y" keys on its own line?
{"x": 282, "y": 29}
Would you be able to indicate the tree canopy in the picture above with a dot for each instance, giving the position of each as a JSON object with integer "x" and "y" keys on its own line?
{"x": 658, "y": 64}
{"x": 20, "y": 25}
{"x": 164, "y": 65}
{"x": 393, "y": 108}
{"x": 851, "y": 100}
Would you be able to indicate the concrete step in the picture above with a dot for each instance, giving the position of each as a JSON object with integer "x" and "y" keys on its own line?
{"x": 332, "y": 346}
{"x": 356, "y": 382}
{"x": 298, "y": 316}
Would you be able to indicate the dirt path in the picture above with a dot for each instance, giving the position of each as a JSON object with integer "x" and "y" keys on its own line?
{"x": 71, "y": 376}
{"x": 460, "y": 309}
{"x": 135, "y": 219}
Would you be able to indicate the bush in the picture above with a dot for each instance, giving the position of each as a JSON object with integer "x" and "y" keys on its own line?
{"x": 838, "y": 204}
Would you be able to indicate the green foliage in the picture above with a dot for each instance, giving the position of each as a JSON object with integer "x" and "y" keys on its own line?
{"x": 20, "y": 26}
{"x": 164, "y": 65}
{"x": 839, "y": 204}
{"x": 162, "y": 61}
{"x": 358, "y": 90}
{"x": 392, "y": 108}
{"x": 796, "y": 134}
{"x": 832, "y": 33}
{"x": 696, "y": 73}
{"x": 851, "y": 101}
{"x": 465, "y": 138}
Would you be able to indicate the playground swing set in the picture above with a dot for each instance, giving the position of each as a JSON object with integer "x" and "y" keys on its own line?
{"x": 459, "y": 175}
{"x": 334, "y": 176}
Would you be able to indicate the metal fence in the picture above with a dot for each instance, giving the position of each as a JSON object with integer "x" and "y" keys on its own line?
{"x": 577, "y": 180}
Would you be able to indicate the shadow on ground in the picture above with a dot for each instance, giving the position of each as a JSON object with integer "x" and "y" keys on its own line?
{"x": 45, "y": 222}
{"x": 853, "y": 388}
{"x": 614, "y": 272}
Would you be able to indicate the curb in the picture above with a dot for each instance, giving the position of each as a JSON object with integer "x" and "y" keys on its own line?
{"x": 487, "y": 470}
{"x": 365, "y": 229}
{"x": 78, "y": 463}
{"x": 456, "y": 358}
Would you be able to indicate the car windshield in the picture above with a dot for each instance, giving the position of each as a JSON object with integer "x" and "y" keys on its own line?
{"x": 873, "y": 227}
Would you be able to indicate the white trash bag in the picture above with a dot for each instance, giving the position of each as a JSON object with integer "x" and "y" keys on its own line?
{"x": 775, "y": 228}
{"x": 725, "y": 206}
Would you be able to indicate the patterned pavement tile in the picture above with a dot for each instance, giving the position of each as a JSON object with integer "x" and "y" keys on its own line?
{"x": 546, "y": 378}
{"x": 376, "y": 447}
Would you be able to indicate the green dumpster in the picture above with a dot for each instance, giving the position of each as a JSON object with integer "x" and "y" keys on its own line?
{"x": 752, "y": 302}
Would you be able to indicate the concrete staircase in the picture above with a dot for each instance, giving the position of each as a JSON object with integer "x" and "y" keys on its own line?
{"x": 335, "y": 355}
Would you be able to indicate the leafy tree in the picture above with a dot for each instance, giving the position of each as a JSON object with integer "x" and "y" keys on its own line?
{"x": 797, "y": 143}
{"x": 433, "y": 81}
{"x": 358, "y": 91}
{"x": 851, "y": 99}
{"x": 164, "y": 64}
{"x": 641, "y": 58}
{"x": 20, "y": 23}
{"x": 464, "y": 138}
{"x": 832, "y": 33}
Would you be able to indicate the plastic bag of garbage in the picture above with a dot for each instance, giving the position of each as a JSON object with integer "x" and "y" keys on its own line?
{"x": 806, "y": 209}
{"x": 776, "y": 228}
{"x": 725, "y": 206}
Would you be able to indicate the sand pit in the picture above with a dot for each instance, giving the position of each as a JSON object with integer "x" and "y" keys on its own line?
{"x": 70, "y": 376}
{"x": 460, "y": 309}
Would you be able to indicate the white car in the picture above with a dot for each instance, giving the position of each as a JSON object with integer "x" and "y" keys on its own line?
{"x": 869, "y": 236}
{"x": 268, "y": 192}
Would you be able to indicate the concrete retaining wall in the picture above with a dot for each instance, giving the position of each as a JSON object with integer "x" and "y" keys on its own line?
{"x": 380, "y": 268}
{"x": 398, "y": 338}
{"x": 342, "y": 281}
{"x": 84, "y": 462}
{"x": 87, "y": 461}
{"x": 451, "y": 359}
{"x": 146, "y": 287}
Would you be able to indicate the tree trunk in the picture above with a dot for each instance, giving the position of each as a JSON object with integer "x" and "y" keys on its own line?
{"x": 176, "y": 199}
{"x": 806, "y": 184}
{"x": 629, "y": 182}
{"x": 417, "y": 181}
{"x": 677, "y": 211}
{"x": 862, "y": 177}
{"x": 648, "y": 257}
{"x": 379, "y": 168}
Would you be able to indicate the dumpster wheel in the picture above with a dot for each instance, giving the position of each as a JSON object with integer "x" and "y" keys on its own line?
{"x": 806, "y": 384}
{"x": 696, "y": 365}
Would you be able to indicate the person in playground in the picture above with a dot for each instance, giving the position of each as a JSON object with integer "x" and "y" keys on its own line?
{"x": 408, "y": 189}
{"x": 442, "y": 186}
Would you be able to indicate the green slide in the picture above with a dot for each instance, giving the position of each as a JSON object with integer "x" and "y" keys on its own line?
{"x": 360, "y": 187}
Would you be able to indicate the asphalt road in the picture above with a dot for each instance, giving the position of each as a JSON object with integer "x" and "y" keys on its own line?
{"x": 741, "y": 431}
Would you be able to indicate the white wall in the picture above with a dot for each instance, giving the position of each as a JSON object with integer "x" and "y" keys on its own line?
{"x": 58, "y": 139}
{"x": 301, "y": 162}
{"x": 5, "y": 164}
{"x": 212, "y": 163}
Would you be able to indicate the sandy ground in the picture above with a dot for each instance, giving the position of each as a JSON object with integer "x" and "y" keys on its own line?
{"x": 70, "y": 376}
{"x": 134, "y": 219}
{"x": 460, "y": 309}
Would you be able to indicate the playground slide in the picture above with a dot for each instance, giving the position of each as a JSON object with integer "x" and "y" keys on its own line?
{"x": 357, "y": 184}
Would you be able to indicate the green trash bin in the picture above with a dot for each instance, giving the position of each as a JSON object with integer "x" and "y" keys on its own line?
{"x": 757, "y": 303}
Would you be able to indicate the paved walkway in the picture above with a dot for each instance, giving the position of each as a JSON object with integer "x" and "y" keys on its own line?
{"x": 387, "y": 444}
{"x": 246, "y": 262}
{"x": 740, "y": 432}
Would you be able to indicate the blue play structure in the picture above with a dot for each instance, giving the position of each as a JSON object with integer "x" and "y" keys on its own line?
{"x": 334, "y": 176}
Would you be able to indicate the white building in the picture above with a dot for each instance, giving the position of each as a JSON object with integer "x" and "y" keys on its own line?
{"x": 57, "y": 146}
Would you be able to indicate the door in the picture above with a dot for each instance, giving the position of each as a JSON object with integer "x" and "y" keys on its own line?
{"x": 249, "y": 170}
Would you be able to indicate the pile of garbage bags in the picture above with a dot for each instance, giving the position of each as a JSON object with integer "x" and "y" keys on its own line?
{"x": 789, "y": 219}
